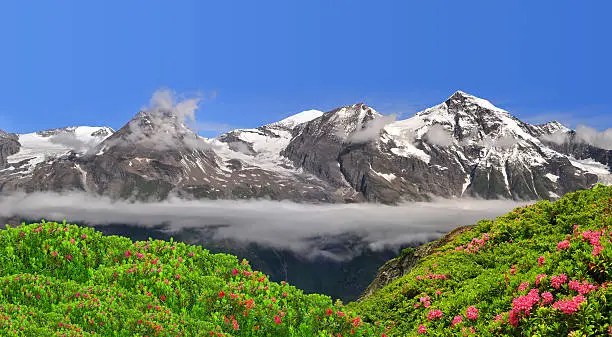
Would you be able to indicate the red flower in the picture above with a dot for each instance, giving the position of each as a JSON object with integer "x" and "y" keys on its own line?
{"x": 563, "y": 245}
{"x": 277, "y": 320}
{"x": 471, "y": 312}
{"x": 422, "y": 329}
{"x": 221, "y": 294}
{"x": 569, "y": 306}
{"x": 547, "y": 297}
{"x": 434, "y": 314}
{"x": 557, "y": 281}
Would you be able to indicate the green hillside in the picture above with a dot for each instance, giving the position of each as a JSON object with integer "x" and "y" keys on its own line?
{"x": 541, "y": 270}
{"x": 65, "y": 280}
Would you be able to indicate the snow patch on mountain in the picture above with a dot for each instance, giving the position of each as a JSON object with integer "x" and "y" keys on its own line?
{"x": 299, "y": 118}
{"x": 591, "y": 166}
{"x": 37, "y": 147}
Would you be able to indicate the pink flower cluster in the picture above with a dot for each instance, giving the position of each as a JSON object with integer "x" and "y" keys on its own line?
{"x": 540, "y": 261}
{"x": 523, "y": 286}
{"x": 569, "y": 306}
{"x": 456, "y": 320}
{"x": 422, "y": 329}
{"x": 557, "y": 281}
{"x": 524, "y": 304}
{"x": 426, "y": 300}
{"x": 471, "y": 312}
{"x": 582, "y": 288}
{"x": 475, "y": 244}
{"x": 594, "y": 238}
{"x": 434, "y": 314}
{"x": 563, "y": 245}
{"x": 547, "y": 297}
{"x": 432, "y": 277}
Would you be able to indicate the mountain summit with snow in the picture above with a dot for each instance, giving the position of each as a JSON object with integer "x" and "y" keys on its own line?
{"x": 464, "y": 146}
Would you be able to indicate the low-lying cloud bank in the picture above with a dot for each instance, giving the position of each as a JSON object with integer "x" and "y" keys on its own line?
{"x": 283, "y": 225}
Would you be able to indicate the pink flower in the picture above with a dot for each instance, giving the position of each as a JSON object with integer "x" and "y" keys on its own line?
{"x": 592, "y": 237}
{"x": 557, "y": 281}
{"x": 569, "y": 306}
{"x": 471, "y": 312}
{"x": 422, "y": 329}
{"x": 582, "y": 288}
{"x": 540, "y": 261}
{"x": 563, "y": 245}
{"x": 438, "y": 292}
{"x": 427, "y": 304}
{"x": 596, "y": 250}
{"x": 425, "y": 299}
{"x": 434, "y": 314}
{"x": 456, "y": 320}
{"x": 547, "y": 297}
{"x": 234, "y": 272}
{"x": 524, "y": 304}
{"x": 128, "y": 253}
{"x": 499, "y": 318}
{"x": 277, "y": 320}
{"x": 523, "y": 286}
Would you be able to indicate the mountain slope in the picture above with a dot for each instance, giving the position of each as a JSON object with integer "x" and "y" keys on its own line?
{"x": 60, "y": 279}
{"x": 462, "y": 147}
{"x": 544, "y": 270}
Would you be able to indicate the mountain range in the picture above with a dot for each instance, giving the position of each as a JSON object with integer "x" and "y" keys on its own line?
{"x": 463, "y": 147}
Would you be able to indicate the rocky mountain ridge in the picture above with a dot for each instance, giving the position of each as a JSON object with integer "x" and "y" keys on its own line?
{"x": 464, "y": 146}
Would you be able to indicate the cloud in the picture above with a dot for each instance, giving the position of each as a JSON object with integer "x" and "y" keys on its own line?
{"x": 167, "y": 123}
{"x": 558, "y": 137}
{"x": 70, "y": 140}
{"x": 371, "y": 131}
{"x": 303, "y": 228}
{"x": 438, "y": 135}
{"x": 593, "y": 137}
{"x": 584, "y": 134}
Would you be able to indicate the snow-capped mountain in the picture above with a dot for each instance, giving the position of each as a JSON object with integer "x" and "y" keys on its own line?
{"x": 464, "y": 146}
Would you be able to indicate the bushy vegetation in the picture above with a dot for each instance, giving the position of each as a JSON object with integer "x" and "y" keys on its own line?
{"x": 58, "y": 279}
{"x": 541, "y": 270}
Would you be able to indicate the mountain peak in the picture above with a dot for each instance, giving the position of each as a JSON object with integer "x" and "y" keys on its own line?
{"x": 470, "y": 102}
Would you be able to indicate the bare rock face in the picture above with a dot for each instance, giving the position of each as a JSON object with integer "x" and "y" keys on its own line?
{"x": 9, "y": 145}
{"x": 463, "y": 147}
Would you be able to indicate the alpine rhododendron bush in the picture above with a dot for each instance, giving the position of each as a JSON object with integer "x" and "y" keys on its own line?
{"x": 541, "y": 270}
{"x": 65, "y": 280}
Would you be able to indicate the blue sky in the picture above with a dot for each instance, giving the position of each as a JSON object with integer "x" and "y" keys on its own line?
{"x": 98, "y": 62}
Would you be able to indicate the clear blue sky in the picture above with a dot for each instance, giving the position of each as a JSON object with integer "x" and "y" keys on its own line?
{"x": 97, "y": 62}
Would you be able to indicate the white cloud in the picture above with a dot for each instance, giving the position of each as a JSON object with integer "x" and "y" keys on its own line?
{"x": 167, "y": 123}
{"x": 438, "y": 135}
{"x": 371, "y": 131}
{"x": 593, "y": 137}
{"x": 277, "y": 224}
{"x": 584, "y": 134}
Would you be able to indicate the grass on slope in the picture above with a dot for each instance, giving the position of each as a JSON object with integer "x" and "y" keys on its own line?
{"x": 541, "y": 270}
{"x": 65, "y": 280}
